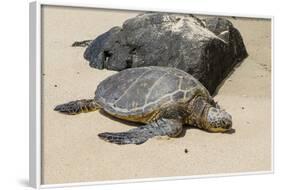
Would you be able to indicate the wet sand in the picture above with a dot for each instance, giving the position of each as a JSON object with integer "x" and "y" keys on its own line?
{"x": 71, "y": 150}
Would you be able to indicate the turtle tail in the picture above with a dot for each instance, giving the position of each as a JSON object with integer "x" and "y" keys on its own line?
{"x": 76, "y": 107}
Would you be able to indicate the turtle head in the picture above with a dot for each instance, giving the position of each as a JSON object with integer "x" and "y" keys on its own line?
{"x": 218, "y": 120}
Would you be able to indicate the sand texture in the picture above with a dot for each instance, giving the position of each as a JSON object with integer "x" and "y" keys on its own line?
{"x": 71, "y": 150}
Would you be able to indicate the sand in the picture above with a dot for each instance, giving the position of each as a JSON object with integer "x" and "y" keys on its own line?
{"x": 71, "y": 150}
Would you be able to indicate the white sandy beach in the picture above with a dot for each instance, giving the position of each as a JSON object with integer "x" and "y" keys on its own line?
{"x": 71, "y": 149}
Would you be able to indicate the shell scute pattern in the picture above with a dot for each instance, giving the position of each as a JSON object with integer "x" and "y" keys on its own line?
{"x": 135, "y": 96}
{"x": 178, "y": 95}
{"x": 145, "y": 89}
{"x": 167, "y": 85}
{"x": 110, "y": 90}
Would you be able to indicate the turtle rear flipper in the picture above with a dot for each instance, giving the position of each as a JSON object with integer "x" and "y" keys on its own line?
{"x": 139, "y": 135}
{"x": 78, "y": 106}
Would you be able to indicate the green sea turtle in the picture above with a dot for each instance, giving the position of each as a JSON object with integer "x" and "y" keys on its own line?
{"x": 162, "y": 98}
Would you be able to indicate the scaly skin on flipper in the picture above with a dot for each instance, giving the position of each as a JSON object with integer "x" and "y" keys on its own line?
{"x": 161, "y": 127}
{"x": 78, "y": 106}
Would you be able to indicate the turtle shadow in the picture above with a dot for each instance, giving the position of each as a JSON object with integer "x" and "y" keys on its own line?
{"x": 130, "y": 123}
{"x": 188, "y": 127}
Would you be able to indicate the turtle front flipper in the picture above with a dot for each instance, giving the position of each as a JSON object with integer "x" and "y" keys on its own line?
{"x": 139, "y": 135}
{"x": 78, "y": 106}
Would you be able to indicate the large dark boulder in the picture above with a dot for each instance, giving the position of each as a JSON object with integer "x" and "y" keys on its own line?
{"x": 206, "y": 48}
